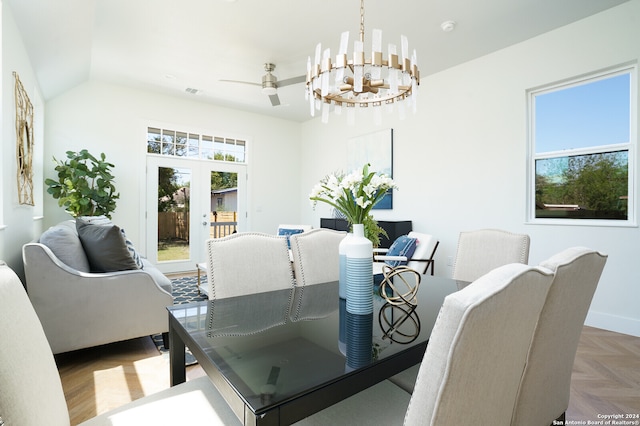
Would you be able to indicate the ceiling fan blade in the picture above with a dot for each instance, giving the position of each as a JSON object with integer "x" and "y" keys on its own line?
{"x": 292, "y": 80}
{"x": 275, "y": 100}
{"x": 241, "y": 82}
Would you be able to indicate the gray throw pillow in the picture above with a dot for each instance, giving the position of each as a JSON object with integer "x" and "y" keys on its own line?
{"x": 66, "y": 246}
{"x": 105, "y": 246}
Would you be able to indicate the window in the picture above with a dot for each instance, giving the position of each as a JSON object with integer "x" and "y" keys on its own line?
{"x": 582, "y": 149}
{"x": 190, "y": 145}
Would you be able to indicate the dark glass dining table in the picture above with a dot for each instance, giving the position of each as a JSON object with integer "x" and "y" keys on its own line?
{"x": 278, "y": 357}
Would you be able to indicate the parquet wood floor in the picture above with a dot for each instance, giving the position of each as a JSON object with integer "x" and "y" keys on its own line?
{"x": 606, "y": 376}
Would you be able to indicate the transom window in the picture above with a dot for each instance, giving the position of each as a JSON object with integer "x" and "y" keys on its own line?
{"x": 582, "y": 144}
{"x": 183, "y": 144}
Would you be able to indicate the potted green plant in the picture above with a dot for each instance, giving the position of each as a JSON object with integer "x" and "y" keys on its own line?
{"x": 85, "y": 185}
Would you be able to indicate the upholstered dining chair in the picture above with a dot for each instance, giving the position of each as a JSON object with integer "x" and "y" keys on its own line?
{"x": 482, "y": 250}
{"x": 315, "y": 256}
{"x": 246, "y": 263}
{"x": 470, "y": 374}
{"x": 315, "y": 260}
{"x": 32, "y": 393}
{"x": 478, "y": 252}
{"x": 544, "y": 392}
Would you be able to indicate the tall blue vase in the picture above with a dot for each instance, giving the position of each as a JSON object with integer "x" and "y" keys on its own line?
{"x": 342, "y": 252}
{"x": 359, "y": 273}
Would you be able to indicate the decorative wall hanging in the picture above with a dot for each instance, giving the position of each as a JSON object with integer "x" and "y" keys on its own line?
{"x": 24, "y": 143}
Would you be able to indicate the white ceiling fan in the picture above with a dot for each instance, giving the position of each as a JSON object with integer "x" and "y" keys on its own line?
{"x": 270, "y": 83}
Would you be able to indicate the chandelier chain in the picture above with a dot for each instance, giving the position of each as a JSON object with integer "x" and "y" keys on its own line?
{"x": 362, "y": 21}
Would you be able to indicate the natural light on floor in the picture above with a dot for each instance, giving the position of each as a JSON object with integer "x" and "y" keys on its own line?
{"x": 142, "y": 377}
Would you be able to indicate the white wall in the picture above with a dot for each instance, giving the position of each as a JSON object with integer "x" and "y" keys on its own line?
{"x": 461, "y": 161}
{"x": 21, "y": 221}
{"x": 112, "y": 119}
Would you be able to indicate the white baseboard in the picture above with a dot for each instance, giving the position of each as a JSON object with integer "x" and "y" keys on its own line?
{"x": 615, "y": 323}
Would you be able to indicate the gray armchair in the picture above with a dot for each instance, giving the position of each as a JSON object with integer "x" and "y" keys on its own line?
{"x": 80, "y": 309}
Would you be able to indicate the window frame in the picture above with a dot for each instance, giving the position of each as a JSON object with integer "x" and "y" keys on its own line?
{"x": 184, "y": 141}
{"x": 630, "y": 147}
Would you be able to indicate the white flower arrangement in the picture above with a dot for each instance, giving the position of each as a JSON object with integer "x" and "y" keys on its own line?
{"x": 355, "y": 194}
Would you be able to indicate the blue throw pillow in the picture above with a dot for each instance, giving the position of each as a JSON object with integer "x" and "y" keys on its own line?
{"x": 289, "y": 232}
{"x": 402, "y": 246}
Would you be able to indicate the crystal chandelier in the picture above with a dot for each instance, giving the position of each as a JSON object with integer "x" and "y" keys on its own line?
{"x": 362, "y": 82}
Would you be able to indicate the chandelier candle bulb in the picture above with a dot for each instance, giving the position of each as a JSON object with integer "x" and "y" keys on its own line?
{"x": 326, "y": 66}
{"x": 376, "y": 55}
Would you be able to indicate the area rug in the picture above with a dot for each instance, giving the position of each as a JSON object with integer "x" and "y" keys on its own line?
{"x": 184, "y": 291}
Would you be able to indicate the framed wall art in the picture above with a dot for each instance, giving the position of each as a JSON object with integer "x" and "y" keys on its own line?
{"x": 376, "y": 149}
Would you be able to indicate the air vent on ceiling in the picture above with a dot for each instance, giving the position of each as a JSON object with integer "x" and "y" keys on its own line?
{"x": 192, "y": 90}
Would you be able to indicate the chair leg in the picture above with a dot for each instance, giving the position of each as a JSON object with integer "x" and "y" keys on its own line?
{"x": 165, "y": 340}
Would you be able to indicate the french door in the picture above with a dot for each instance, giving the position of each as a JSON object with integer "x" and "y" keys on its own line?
{"x": 187, "y": 202}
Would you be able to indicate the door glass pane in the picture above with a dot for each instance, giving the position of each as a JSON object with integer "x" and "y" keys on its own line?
{"x": 224, "y": 204}
{"x": 168, "y": 142}
{"x": 174, "y": 186}
{"x": 194, "y": 142}
{"x": 207, "y": 148}
{"x": 181, "y": 144}
{"x": 239, "y": 151}
{"x": 153, "y": 140}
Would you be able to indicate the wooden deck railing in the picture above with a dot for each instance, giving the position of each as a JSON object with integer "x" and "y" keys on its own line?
{"x": 223, "y": 224}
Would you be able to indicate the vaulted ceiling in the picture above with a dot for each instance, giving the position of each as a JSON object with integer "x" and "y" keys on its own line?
{"x": 169, "y": 46}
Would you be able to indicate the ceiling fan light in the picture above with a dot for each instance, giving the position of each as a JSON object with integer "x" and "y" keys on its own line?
{"x": 269, "y": 81}
{"x": 269, "y": 90}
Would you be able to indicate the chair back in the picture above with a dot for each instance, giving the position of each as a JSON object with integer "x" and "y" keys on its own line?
{"x": 247, "y": 263}
{"x": 315, "y": 256}
{"x": 315, "y": 260}
{"x": 483, "y": 250}
{"x": 31, "y": 392}
{"x": 544, "y": 391}
{"x": 422, "y": 259}
{"x": 473, "y": 364}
